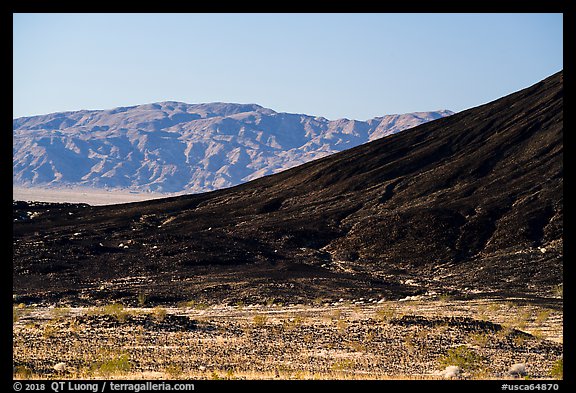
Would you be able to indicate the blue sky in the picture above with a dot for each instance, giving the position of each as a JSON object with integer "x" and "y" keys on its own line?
{"x": 354, "y": 66}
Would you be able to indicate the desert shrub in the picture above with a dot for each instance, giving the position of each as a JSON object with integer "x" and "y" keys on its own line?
{"x": 479, "y": 339}
{"x": 463, "y": 357}
{"x": 522, "y": 318}
{"x": 557, "y": 371}
{"x": 194, "y": 304}
{"x": 341, "y": 325}
{"x": 309, "y": 338}
{"x": 49, "y": 331}
{"x": 356, "y": 346}
{"x": 538, "y": 334}
{"x": 159, "y": 313}
{"x": 558, "y": 291}
{"x": 115, "y": 310}
{"x": 385, "y": 314}
{"x": 342, "y": 365}
{"x": 260, "y": 320}
{"x": 59, "y": 312}
{"x": 16, "y": 314}
{"x": 542, "y": 316}
{"x": 445, "y": 297}
{"x": 174, "y": 371}
{"x": 18, "y": 311}
{"x": 22, "y": 372}
{"x": 519, "y": 340}
{"x": 336, "y": 314}
{"x": 117, "y": 365}
{"x": 370, "y": 336}
{"x": 293, "y": 323}
{"x": 141, "y": 299}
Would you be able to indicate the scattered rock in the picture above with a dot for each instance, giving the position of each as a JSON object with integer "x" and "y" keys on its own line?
{"x": 518, "y": 370}
{"x": 214, "y": 339}
{"x": 452, "y": 372}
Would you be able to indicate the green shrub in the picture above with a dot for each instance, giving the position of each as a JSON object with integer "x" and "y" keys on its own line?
{"x": 479, "y": 339}
{"x": 445, "y": 297}
{"x": 193, "y": 304}
{"x": 49, "y": 331}
{"x": 18, "y": 311}
{"x": 59, "y": 312}
{"x": 141, "y": 299}
{"x": 174, "y": 371}
{"x": 463, "y": 357}
{"x": 342, "y": 365}
{"x": 159, "y": 313}
{"x": 117, "y": 365}
{"x": 293, "y": 323}
{"x": 15, "y": 314}
{"x": 557, "y": 371}
{"x": 385, "y": 314}
{"x": 558, "y": 291}
{"x": 22, "y": 372}
{"x": 341, "y": 325}
{"x": 260, "y": 320}
{"x": 115, "y": 310}
{"x": 542, "y": 316}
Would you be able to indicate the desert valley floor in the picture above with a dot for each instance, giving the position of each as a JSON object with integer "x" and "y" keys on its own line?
{"x": 361, "y": 339}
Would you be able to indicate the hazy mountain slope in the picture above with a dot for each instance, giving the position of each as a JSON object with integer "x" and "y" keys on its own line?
{"x": 174, "y": 147}
{"x": 468, "y": 204}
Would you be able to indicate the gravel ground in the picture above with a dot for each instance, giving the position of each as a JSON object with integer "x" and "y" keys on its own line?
{"x": 340, "y": 340}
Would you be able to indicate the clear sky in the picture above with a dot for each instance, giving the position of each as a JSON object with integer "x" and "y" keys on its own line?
{"x": 356, "y": 66}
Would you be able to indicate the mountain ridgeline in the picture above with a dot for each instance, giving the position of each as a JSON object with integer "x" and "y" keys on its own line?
{"x": 172, "y": 147}
{"x": 470, "y": 205}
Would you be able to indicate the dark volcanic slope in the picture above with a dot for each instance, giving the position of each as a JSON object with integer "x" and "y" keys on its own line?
{"x": 472, "y": 202}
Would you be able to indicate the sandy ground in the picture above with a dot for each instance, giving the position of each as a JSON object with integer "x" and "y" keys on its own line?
{"x": 81, "y": 195}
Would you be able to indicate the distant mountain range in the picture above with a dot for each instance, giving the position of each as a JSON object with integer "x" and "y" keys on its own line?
{"x": 172, "y": 147}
